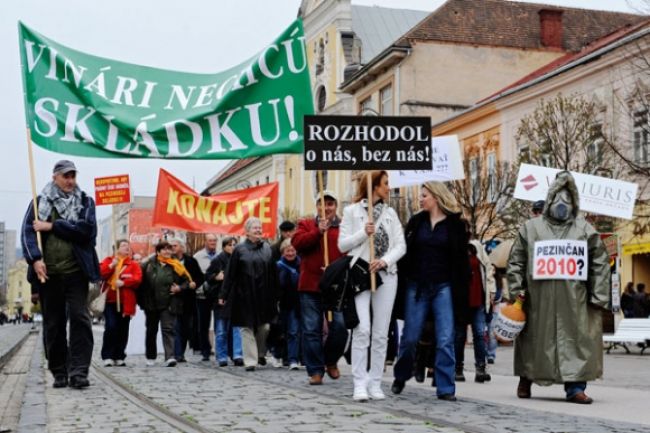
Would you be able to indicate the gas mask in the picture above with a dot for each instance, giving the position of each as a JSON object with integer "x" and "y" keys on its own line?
{"x": 561, "y": 207}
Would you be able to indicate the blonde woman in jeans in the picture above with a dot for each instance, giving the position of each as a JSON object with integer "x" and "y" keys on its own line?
{"x": 389, "y": 246}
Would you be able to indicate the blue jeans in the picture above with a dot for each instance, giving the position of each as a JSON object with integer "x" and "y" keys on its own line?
{"x": 492, "y": 343}
{"x": 292, "y": 332}
{"x": 221, "y": 330}
{"x": 573, "y": 388}
{"x": 315, "y": 355}
{"x": 478, "y": 335}
{"x": 437, "y": 299}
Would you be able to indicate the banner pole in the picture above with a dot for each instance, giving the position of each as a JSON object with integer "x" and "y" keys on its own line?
{"x": 326, "y": 256}
{"x": 371, "y": 238}
{"x": 32, "y": 176}
{"x": 113, "y": 240}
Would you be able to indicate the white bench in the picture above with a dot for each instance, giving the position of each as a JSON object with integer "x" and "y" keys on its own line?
{"x": 630, "y": 331}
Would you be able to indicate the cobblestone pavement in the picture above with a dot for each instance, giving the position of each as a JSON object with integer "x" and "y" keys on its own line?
{"x": 10, "y": 336}
{"x": 273, "y": 400}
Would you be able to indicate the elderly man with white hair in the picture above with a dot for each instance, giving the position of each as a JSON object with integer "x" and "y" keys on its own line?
{"x": 249, "y": 292}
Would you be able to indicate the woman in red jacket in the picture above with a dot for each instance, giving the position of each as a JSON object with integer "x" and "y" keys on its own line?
{"x": 120, "y": 275}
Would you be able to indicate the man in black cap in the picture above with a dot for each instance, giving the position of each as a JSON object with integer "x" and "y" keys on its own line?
{"x": 62, "y": 271}
{"x": 538, "y": 208}
{"x": 287, "y": 229}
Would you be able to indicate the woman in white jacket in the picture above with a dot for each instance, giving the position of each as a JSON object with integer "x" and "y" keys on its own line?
{"x": 389, "y": 248}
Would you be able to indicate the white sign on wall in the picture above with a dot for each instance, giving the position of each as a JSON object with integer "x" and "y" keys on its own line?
{"x": 560, "y": 259}
{"x": 599, "y": 195}
{"x": 447, "y": 165}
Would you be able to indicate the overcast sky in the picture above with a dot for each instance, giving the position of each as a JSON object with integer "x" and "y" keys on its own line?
{"x": 189, "y": 35}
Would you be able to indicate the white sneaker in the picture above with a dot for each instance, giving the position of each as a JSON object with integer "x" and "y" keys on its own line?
{"x": 120, "y": 363}
{"x": 151, "y": 362}
{"x": 275, "y": 362}
{"x": 360, "y": 394}
{"x": 108, "y": 363}
{"x": 171, "y": 362}
{"x": 293, "y": 366}
{"x": 375, "y": 393}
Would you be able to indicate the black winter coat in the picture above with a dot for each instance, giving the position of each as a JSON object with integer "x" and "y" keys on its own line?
{"x": 250, "y": 286}
{"x": 458, "y": 246}
{"x": 218, "y": 264}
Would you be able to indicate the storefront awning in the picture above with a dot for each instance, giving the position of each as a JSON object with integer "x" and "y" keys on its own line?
{"x": 631, "y": 249}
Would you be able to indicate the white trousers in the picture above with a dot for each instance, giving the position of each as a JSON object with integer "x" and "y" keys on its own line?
{"x": 382, "y": 307}
{"x": 254, "y": 343}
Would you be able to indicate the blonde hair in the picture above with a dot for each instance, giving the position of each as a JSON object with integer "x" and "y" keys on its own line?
{"x": 285, "y": 244}
{"x": 446, "y": 200}
{"x": 362, "y": 183}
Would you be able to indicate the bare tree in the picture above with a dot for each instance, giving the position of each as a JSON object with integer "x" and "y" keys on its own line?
{"x": 485, "y": 196}
{"x": 568, "y": 133}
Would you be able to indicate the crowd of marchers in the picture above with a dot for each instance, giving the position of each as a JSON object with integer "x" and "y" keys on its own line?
{"x": 408, "y": 295}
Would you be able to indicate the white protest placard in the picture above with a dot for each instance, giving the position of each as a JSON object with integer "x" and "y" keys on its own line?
{"x": 447, "y": 165}
{"x": 599, "y": 195}
{"x": 560, "y": 259}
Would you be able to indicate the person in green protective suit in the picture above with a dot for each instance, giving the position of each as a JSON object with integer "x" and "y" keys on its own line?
{"x": 562, "y": 342}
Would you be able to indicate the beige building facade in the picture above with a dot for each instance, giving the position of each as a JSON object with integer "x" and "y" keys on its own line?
{"x": 18, "y": 290}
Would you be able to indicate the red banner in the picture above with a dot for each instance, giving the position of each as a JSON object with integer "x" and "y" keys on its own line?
{"x": 178, "y": 206}
{"x": 112, "y": 190}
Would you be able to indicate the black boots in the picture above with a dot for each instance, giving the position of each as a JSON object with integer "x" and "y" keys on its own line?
{"x": 481, "y": 375}
{"x": 460, "y": 377}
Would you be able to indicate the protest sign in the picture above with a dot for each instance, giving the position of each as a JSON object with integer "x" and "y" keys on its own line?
{"x": 599, "y": 195}
{"x": 367, "y": 143}
{"x": 80, "y": 104}
{"x": 560, "y": 259}
{"x": 447, "y": 165}
{"x": 178, "y": 206}
{"x": 112, "y": 190}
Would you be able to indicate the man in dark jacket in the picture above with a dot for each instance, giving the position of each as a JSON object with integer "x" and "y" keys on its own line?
{"x": 185, "y": 321}
{"x": 308, "y": 241}
{"x": 222, "y": 330}
{"x": 62, "y": 266}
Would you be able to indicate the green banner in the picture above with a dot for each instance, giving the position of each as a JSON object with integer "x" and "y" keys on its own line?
{"x": 80, "y": 104}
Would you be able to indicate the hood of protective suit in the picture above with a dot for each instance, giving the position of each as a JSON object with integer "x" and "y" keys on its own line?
{"x": 563, "y": 181}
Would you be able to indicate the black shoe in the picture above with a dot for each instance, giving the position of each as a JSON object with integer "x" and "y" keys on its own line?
{"x": 447, "y": 397}
{"x": 261, "y": 360}
{"x": 250, "y": 368}
{"x": 419, "y": 375}
{"x": 60, "y": 382}
{"x": 490, "y": 360}
{"x": 459, "y": 377}
{"x": 205, "y": 358}
{"x": 223, "y": 364}
{"x": 181, "y": 360}
{"x": 239, "y": 362}
{"x": 433, "y": 381}
{"x": 79, "y": 382}
{"x": 398, "y": 386}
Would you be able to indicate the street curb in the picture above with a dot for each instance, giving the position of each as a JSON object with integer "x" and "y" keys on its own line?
{"x": 9, "y": 353}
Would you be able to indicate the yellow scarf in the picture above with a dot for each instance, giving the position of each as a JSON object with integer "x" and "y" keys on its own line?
{"x": 176, "y": 265}
{"x": 116, "y": 273}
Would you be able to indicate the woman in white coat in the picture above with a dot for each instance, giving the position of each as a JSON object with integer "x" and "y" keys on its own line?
{"x": 390, "y": 246}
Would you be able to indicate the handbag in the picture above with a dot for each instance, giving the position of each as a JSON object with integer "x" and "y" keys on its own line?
{"x": 99, "y": 303}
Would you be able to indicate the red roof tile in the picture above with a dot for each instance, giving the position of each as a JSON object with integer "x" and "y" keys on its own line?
{"x": 512, "y": 24}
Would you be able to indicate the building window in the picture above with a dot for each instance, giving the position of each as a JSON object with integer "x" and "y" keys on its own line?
{"x": 386, "y": 101}
{"x": 366, "y": 105}
{"x": 321, "y": 98}
{"x": 492, "y": 177}
{"x": 268, "y": 179}
{"x": 291, "y": 173}
{"x": 524, "y": 152}
{"x": 473, "y": 178}
{"x": 641, "y": 136}
{"x": 595, "y": 147}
